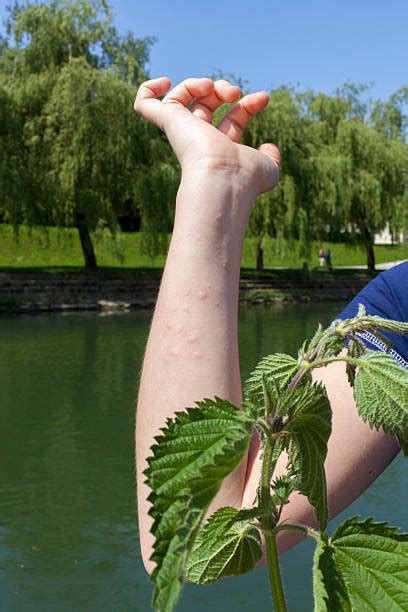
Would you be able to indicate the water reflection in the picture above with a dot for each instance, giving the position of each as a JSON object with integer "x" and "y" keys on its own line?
{"x": 68, "y": 537}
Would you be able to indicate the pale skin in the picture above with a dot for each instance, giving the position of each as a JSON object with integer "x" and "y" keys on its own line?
{"x": 192, "y": 350}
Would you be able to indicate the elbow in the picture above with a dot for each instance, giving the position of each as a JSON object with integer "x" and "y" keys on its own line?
{"x": 148, "y": 565}
{"x": 146, "y": 551}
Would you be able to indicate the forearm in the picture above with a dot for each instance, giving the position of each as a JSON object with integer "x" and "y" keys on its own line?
{"x": 192, "y": 350}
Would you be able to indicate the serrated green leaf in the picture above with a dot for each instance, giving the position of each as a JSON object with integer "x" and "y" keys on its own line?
{"x": 329, "y": 591}
{"x": 318, "y": 335}
{"x": 354, "y": 525}
{"x": 191, "y": 457}
{"x": 283, "y": 487}
{"x": 310, "y": 428}
{"x": 279, "y": 367}
{"x": 364, "y": 566}
{"x": 225, "y": 546}
{"x": 167, "y": 580}
{"x": 381, "y": 393}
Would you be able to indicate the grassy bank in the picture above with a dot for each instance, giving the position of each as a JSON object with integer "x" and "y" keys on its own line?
{"x": 60, "y": 248}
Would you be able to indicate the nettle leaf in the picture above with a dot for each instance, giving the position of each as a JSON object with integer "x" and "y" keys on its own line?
{"x": 323, "y": 342}
{"x": 224, "y": 546}
{"x": 283, "y": 487}
{"x": 329, "y": 590}
{"x": 380, "y": 391}
{"x": 309, "y": 428}
{"x": 193, "y": 454}
{"x": 363, "y": 566}
{"x": 278, "y": 367}
{"x": 167, "y": 578}
{"x": 318, "y": 335}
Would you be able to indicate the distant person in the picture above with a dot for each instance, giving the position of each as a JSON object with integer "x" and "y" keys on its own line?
{"x": 321, "y": 257}
{"x": 328, "y": 257}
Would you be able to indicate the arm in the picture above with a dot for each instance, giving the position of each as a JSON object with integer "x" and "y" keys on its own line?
{"x": 192, "y": 351}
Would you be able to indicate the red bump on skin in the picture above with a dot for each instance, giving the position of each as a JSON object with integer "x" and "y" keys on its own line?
{"x": 179, "y": 328}
{"x": 192, "y": 338}
{"x": 203, "y": 295}
{"x": 197, "y": 354}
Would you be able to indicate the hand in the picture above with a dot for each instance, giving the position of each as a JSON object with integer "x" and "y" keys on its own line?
{"x": 185, "y": 115}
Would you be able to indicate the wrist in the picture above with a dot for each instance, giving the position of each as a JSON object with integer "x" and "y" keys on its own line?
{"x": 228, "y": 177}
{"x": 218, "y": 202}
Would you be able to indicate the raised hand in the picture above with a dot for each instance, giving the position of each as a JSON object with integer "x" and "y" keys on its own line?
{"x": 185, "y": 115}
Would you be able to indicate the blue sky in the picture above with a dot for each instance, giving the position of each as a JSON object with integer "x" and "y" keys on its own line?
{"x": 315, "y": 43}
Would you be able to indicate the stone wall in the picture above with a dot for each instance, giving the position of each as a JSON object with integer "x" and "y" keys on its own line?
{"x": 61, "y": 292}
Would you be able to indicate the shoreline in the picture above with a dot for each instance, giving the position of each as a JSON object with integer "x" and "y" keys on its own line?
{"x": 24, "y": 293}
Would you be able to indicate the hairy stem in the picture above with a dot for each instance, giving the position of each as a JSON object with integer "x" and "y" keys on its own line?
{"x": 308, "y": 531}
{"x": 267, "y": 525}
{"x": 324, "y": 362}
{"x": 298, "y": 377}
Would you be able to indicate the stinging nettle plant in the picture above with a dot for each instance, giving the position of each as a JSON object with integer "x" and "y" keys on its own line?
{"x": 364, "y": 564}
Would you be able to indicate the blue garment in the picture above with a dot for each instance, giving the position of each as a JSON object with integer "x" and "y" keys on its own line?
{"x": 386, "y": 296}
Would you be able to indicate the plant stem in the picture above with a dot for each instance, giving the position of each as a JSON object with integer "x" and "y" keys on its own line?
{"x": 267, "y": 525}
{"x": 299, "y": 376}
{"x": 308, "y": 531}
{"x": 324, "y": 362}
{"x": 274, "y": 574}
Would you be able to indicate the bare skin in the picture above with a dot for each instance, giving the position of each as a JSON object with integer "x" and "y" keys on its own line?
{"x": 192, "y": 350}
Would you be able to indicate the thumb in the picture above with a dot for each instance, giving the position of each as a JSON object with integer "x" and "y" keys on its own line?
{"x": 270, "y": 166}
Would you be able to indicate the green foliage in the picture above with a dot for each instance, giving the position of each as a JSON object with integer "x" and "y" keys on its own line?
{"x": 329, "y": 590}
{"x": 68, "y": 82}
{"x": 190, "y": 460}
{"x": 363, "y": 566}
{"x": 33, "y": 249}
{"x": 380, "y": 391}
{"x": 309, "y": 428}
{"x": 344, "y": 161}
{"x": 278, "y": 367}
{"x": 225, "y": 546}
{"x": 343, "y": 171}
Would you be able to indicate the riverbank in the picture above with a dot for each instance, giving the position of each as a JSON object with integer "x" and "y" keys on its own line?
{"x": 108, "y": 291}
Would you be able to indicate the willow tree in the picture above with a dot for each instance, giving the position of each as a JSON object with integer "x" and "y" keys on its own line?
{"x": 90, "y": 135}
{"x": 360, "y": 172}
{"x": 389, "y": 117}
{"x": 328, "y": 183}
{"x": 378, "y": 182}
{"x": 71, "y": 79}
{"x": 284, "y": 212}
{"x": 14, "y": 178}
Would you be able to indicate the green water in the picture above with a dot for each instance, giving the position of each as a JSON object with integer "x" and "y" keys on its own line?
{"x": 68, "y": 531}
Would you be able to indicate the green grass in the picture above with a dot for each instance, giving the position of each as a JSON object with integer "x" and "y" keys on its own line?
{"x": 58, "y": 249}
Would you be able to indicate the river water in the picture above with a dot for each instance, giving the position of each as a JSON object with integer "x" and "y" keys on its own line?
{"x": 68, "y": 530}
